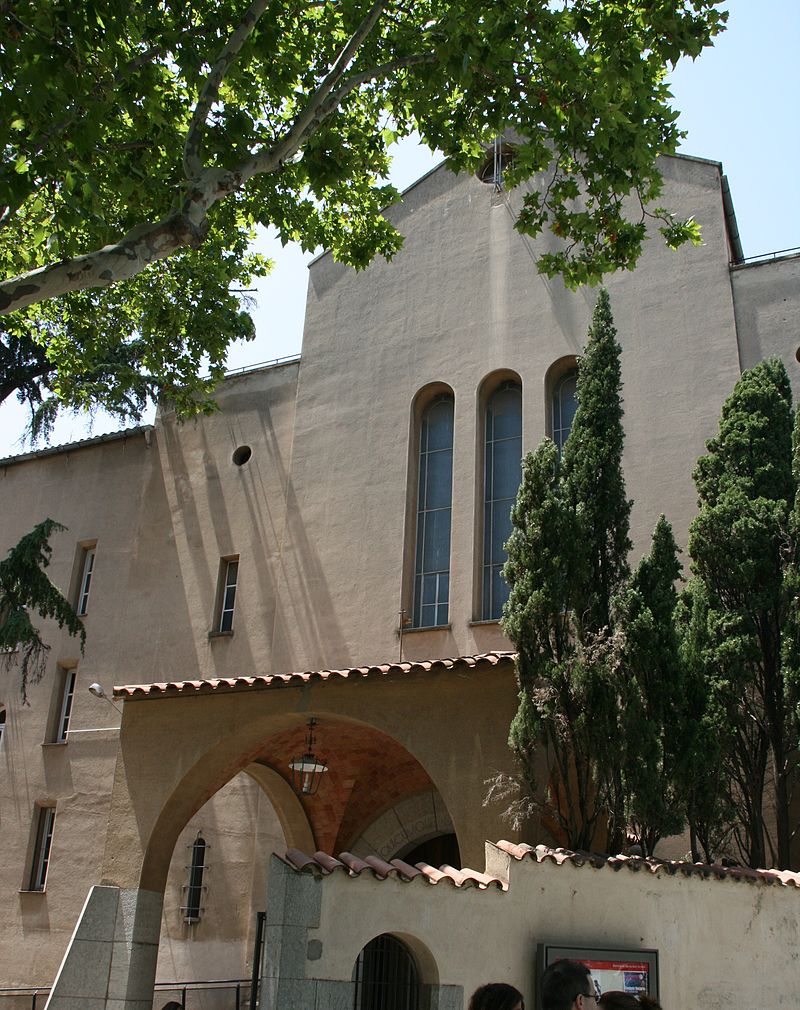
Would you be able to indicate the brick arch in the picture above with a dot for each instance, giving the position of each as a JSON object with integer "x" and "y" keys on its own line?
{"x": 368, "y": 771}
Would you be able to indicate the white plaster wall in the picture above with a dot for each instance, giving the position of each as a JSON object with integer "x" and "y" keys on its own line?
{"x": 722, "y": 944}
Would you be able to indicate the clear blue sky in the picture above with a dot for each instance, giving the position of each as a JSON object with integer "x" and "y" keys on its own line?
{"x": 739, "y": 106}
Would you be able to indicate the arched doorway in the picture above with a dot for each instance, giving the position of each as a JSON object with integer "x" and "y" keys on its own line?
{"x": 385, "y": 976}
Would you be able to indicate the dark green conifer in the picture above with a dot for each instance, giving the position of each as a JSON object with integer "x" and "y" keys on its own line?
{"x": 594, "y": 483}
{"x": 743, "y": 546}
{"x": 650, "y": 685}
{"x": 25, "y": 589}
{"x": 567, "y": 557}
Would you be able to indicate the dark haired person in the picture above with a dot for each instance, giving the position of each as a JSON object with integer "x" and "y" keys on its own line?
{"x": 568, "y": 985}
{"x": 496, "y": 996}
{"x": 616, "y": 1000}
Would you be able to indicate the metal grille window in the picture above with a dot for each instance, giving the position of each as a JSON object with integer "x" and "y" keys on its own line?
{"x": 434, "y": 507}
{"x": 41, "y": 851}
{"x": 565, "y": 403}
{"x": 385, "y": 976}
{"x": 65, "y": 706}
{"x": 502, "y": 474}
{"x": 2, "y": 722}
{"x": 230, "y": 575}
{"x": 86, "y": 581}
{"x": 195, "y": 888}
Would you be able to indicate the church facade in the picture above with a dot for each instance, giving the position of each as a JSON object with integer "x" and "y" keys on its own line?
{"x": 314, "y": 569}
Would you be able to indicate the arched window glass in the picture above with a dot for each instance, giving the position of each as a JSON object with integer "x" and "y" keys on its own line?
{"x": 194, "y": 892}
{"x": 502, "y": 474}
{"x": 385, "y": 976}
{"x": 434, "y": 505}
{"x": 565, "y": 403}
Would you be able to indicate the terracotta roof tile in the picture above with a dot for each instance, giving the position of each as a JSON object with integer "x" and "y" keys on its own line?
{"x": 328, "y": 862}
{"x": 220, "y": 685}
{"x": 323, "y": 864}
{"x": 353, "y": 863}
{"x": 669, "y": 867}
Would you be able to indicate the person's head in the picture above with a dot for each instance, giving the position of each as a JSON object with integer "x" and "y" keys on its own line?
{"x": 614, "y": 999}
{"x": 497, "y": 996}
{"x": 568, "y": 985}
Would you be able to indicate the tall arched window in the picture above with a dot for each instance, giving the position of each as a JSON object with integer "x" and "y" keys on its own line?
{"x": 502, "y": 474}
{"x": 434, "y": 506}
{"x": 564, "y": 405}
{"x": 385, "y": 976}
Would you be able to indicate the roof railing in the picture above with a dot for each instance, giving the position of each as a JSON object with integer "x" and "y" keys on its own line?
{"x": 766, "y": 257}
{"x": 285, "y": 360}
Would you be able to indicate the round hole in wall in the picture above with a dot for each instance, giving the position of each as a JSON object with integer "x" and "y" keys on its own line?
{"x": 797, "y": 353}
{"x": 498, "y": 158}
{"x": 242, "y": 454}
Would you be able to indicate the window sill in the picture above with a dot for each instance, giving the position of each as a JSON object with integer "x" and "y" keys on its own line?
{"x": 31, "y": 890}
{"x": 494, "y": 621}
{"x": 428, "y": 627}
{"x": 220, "y": 634}
{"x": 55, "y": 743}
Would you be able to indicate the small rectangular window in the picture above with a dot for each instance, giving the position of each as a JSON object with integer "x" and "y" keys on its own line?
{"x": 41, "y": 851}
{"x": 195, "y": 889}
{"x": 2, "y": 722}
{"x": 64, "y": 712}
{"x": 86, "y": 581}
{"x": 229, "y": 573}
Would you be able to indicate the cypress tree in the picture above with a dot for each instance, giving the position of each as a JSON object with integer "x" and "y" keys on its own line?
{"x": 705, "y": 735}
{"x": 592, "y": 473}
{"x": 743, "y": 545}
{"x": 552, "y": 728}
{"x": 650, "y": 683}
{"x": 567, "y": 557}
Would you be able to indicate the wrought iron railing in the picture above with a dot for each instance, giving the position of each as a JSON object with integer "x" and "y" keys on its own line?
{"x": 211, "y": 994}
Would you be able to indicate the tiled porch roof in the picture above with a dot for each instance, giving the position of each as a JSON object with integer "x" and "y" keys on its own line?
{"x": 273, "y": 680}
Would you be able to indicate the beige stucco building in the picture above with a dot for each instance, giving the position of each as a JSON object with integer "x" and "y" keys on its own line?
{"x": 218, "y": 560}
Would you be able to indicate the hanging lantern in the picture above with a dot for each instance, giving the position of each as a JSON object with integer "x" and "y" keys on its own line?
{"x": 308, "y": 769}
